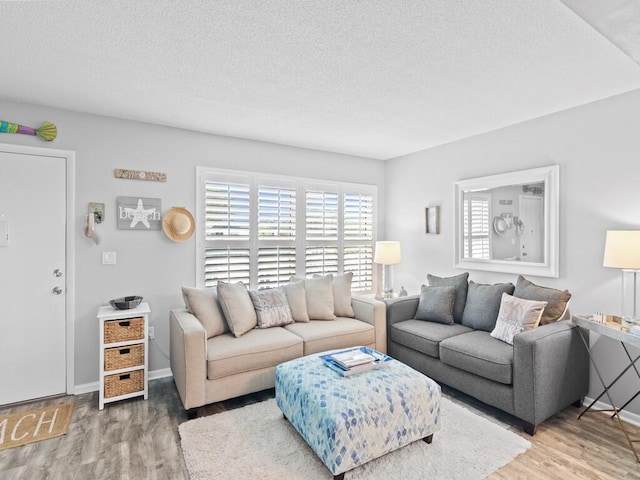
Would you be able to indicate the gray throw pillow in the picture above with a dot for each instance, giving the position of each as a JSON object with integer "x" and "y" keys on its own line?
{"x": 460, "y": 282}
{"x": 557, "y": 300}
{"x": 483, "y": 305}
{"x": 272, "y": 308}
{"x": 436, "y": 304}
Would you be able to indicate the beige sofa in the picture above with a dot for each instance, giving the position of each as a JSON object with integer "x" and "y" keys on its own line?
{"x": 207, "y": 370}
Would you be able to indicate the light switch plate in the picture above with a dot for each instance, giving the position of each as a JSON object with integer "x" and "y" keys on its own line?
{"x": 108, "y": 258}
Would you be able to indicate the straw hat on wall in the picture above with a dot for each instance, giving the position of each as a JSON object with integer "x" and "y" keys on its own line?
{"x": 178, "y": 224}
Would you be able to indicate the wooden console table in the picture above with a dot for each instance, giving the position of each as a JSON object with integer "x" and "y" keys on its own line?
{"x": 613, "y": 331}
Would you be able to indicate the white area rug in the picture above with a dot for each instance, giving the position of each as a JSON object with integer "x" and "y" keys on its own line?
{"x": 257, "y": 442}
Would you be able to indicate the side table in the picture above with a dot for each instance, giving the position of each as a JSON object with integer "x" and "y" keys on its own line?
{"x": 613, "y": 331}
{"x": 124, "y": 353}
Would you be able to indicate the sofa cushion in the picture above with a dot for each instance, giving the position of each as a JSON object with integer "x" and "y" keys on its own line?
{"x": 483, "y": 305}
{"x": 342, "y": 295}
{"x": 425, "y": 337}
{"x": 272, "y": 308}
{"x": 319, "y": 296}
{"x": 557, "y": 300}
{"x": 516, "y": 315}
{"x": 257, "y": 349}
{"x": 461, "y": 284}
{"x": 203, "y": 304}
{"x": 237, "y": 307}
{"x": 481, "y": 354}
{"x": 319, "y": 336}
{"x": 296, "y": 297}
{"x": 436, "y": 304}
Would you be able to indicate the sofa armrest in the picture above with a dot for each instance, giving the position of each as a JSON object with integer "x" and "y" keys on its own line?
{"x": 188, "y": 343}
{"x": 550, "y": 370}
{"x": 401, "y": 308}
{"x": 372, "y": 311}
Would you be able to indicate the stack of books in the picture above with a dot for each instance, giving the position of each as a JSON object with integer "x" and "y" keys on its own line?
{"x": 355, "y": 360}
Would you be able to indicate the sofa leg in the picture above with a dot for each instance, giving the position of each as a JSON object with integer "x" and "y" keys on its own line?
{"x": 529, "y": 428}
{"x": 578, "y": 403}
{"x": 428, "y": 439}
{"x": 192, "y": 413}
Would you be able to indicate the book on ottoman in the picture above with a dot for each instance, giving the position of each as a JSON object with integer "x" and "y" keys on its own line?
{"x": 355, "y": 360}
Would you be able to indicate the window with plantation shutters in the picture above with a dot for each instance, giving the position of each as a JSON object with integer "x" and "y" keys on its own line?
{"x": 262, "y": 230}
{"x": 321, "y": 215}
{"x": 476, "y": 242}
{"x": 227, "y": 210}
{"x": 226, "y": 264}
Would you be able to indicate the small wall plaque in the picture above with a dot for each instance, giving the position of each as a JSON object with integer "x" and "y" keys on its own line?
{"x": 140, "y": 175}
{"x": 137, "y": 213}
{"x": 432, "y": 219}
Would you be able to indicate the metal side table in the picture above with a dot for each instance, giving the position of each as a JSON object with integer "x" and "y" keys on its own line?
{"x": 613, "y": 331}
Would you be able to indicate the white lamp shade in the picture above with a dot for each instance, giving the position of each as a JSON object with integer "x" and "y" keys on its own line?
{"x": 622, "y": 249}
{"x": 387, "y": 253}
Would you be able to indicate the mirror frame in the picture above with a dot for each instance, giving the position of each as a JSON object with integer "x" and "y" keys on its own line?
{"x": 551, "y": 178}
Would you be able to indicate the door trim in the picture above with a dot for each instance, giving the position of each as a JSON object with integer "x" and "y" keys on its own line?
{"x": 70, "y": 161}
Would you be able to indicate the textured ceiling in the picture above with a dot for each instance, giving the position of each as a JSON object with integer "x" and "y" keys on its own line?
{"x": 373, "y": 78}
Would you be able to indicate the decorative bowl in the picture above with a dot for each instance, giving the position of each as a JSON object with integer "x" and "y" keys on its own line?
{"x": 125, "y": 303}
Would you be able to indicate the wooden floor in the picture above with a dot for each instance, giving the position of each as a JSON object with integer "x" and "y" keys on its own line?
{"x": 137, "y": 439}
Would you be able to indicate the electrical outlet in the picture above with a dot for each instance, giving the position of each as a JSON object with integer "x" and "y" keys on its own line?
{"x": 152, "y": 333}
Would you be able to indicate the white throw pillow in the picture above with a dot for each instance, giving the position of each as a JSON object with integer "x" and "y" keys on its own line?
{"x": 296, "y": 297}
{"x": 271, "y": 307}
{"x": 203, "y": 304}
{"x": 237, "y": 307}
{"x": 516, "y": 315}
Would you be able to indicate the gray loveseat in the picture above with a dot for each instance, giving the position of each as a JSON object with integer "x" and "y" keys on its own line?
{"x": 545, "y": 370}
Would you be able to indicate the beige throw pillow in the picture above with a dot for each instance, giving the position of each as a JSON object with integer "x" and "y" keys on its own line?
{"x": 203, "y": 304}
{"x": 271, "y": 307}
{"x": 237, "y": 307}
{"x": 296, "y": 297}
{"x": 319, "y": 296}
{"x": 516, "y": 315}
{"x": 342, "y": 295}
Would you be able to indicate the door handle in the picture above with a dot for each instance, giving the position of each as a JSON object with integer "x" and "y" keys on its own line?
{"x": 57, "y": 290}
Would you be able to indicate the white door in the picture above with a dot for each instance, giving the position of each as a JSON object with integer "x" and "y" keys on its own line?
{"x": 532, "y": 237}
{"x": 32, "y": 276}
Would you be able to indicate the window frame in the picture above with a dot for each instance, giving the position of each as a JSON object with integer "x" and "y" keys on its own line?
{"x": 302, "y": 185}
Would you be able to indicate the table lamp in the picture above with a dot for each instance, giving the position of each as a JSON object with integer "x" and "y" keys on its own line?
{"x": 386, "y": 254}
{"x": 622, "y": 250}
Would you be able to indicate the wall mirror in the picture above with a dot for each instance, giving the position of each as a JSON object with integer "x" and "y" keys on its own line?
{"x": 509, "y": 222}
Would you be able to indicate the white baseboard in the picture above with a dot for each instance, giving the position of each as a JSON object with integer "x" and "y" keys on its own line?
{"x": 630, "y": 417}
{"x": 95, "y": 386}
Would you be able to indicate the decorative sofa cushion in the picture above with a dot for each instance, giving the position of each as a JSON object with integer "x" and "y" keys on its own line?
{"x": 461, "y": 284}
{"x": 296, "y": 297}
{"x": 272, "y": 308}
{"x": 516, "y": 315}
{"x": 436, "y": 304}
{"x": 557, "y": 300}
{"x": 342, "y": 295}
{"x": 203, "y": 304}
{"x": 237, "y": 307}
{"x": 483, "y": 304}
{"x": 319, "y": 296}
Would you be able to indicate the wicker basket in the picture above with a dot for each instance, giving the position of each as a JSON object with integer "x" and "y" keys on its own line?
{"x": 123, "y": 357}
{"x": 123, "y": 330}
{"x": 123, "y": 383}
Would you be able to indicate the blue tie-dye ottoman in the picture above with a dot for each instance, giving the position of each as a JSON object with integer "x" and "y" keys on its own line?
{"x": 348, "y": 421}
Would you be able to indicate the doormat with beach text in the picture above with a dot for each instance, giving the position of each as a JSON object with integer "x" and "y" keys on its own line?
{"x": 20, "y": 428}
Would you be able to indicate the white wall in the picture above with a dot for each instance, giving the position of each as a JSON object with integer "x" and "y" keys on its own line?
{"x": 149, "y": 264}
{"x": 598, "y": 150}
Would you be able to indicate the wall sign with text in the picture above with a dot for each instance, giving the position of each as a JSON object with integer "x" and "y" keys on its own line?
{"x": 138, "y": 213}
